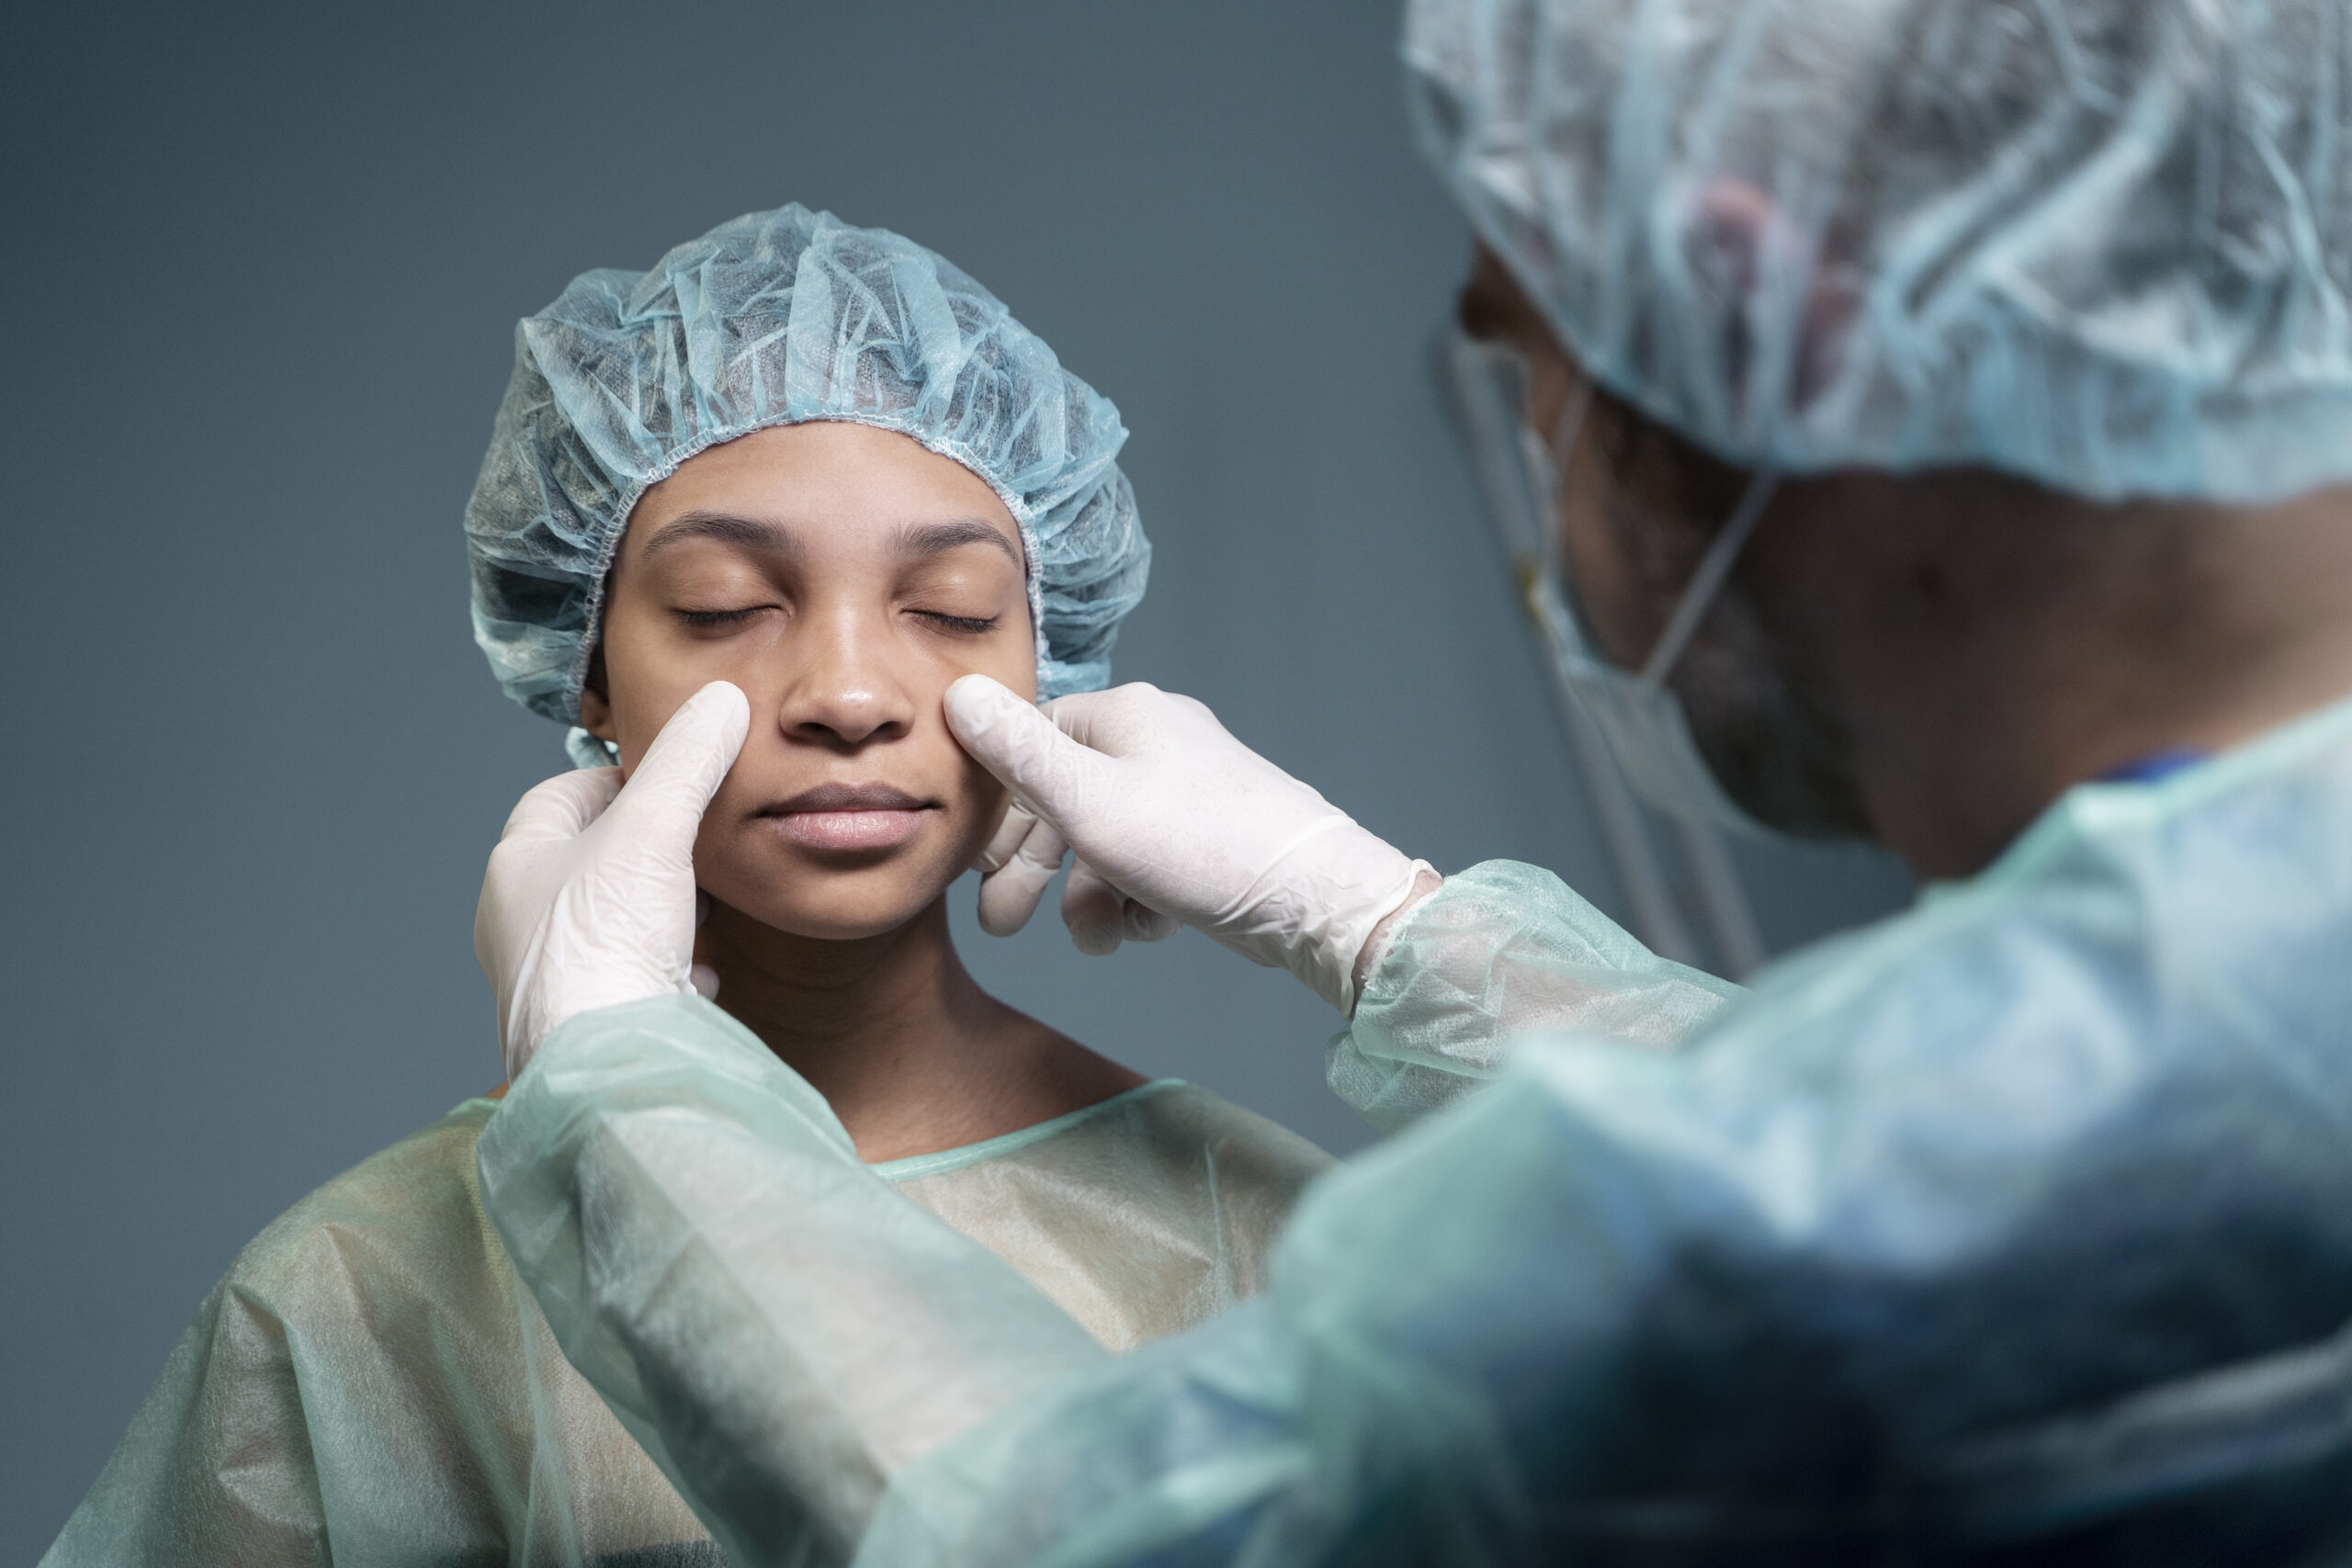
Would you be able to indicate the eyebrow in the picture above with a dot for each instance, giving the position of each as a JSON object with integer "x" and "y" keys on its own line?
{"x": 937, "y": 538}
{"x": 747, "y": 533}
{"x": 760, "y": 533}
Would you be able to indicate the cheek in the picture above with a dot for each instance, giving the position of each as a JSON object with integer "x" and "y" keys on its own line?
{"x": 641, "y": 708}
{"x": 648, "y": 679}
{"x": 976, "y": 800}
{"x": 1007, "y": 656}
{"x": 1010, "y": 660}
{"x": 984, "y": 800}
{"x": 980, "y": 809}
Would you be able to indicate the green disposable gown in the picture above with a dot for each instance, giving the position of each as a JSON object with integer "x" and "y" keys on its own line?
{"x": 371, "y": 1384}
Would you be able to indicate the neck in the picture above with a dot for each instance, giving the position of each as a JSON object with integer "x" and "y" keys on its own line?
{"x": 911, "y": 1055}
{"x": 1968, "y": 720}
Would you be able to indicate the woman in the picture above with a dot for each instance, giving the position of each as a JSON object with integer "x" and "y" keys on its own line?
{"x": 820, "y": 463}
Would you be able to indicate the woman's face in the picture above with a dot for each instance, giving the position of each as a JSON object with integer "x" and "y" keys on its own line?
{"x": 841, "y": 576}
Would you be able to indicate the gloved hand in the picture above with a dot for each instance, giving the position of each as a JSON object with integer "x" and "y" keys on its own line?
{"x": 589, "y": 898}
{"x": 1174, "y": 820}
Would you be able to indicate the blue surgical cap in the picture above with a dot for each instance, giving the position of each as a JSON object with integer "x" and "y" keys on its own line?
{"x": 2105, "y": 244}
{"x": 782, "y": 318}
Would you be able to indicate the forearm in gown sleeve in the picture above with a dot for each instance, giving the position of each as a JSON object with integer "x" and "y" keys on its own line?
{"x": 1500, "y": 951}
{"x": 778, "y": 1327}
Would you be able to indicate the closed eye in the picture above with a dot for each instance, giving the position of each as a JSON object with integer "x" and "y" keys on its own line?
{"x": 720, "y": 618}
{"x": 970, "y": 623}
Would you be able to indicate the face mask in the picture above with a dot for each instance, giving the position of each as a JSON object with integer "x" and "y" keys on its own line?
{"x": 1637, "y": 711}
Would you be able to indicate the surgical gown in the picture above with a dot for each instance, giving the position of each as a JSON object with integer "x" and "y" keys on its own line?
{"x": 370, "y": 1384}
{"x": 2017, "y": 1228}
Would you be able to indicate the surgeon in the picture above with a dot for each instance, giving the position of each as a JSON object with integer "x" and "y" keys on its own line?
{"x": 1945, "y": 411}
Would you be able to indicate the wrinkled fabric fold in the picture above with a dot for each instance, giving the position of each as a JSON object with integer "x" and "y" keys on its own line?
{"x": 778, "y": 1328}
{"x": 372, "y": 1384}
{"x": 2104, "y": 244}
{"x": 1498, "y": 953}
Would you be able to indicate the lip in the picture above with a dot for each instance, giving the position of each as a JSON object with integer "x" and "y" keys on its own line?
{"x": 848, "y": 817}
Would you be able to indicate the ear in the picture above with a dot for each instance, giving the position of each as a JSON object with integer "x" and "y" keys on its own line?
{"x": 595, "y": 706}
{"x": 596, "y": 715}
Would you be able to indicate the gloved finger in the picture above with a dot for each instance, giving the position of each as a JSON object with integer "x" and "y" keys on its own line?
{"x": 1094, "y": 911}
{"x": 1051, "y": 773}
{"x": 561, "y": 807}
{"x": 1009, "y": 893}
{"x": 660, "y": 808}
{"x": 705, "y": 980}
{"x": 1144, "y": 923}
{"x": 1121, "y": 721}
{"x": 1002, "y": 844}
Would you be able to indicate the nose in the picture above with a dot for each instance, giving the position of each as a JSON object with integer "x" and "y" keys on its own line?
{"x": 843, "y": 692}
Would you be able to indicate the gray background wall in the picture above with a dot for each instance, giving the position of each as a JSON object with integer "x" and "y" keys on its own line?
{"x": 261, "y": 271}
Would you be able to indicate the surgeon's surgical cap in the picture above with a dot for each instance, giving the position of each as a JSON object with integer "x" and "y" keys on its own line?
{"x": 2101, "y": 243}
{"x": 782, "y": 318}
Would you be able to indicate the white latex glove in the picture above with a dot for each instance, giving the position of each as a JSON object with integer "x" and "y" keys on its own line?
{"x": 1174, "y": 822}
{"x": 590, "y": 897}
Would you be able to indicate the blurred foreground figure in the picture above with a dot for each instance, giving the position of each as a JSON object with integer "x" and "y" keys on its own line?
{"x": 1941, "y": 410}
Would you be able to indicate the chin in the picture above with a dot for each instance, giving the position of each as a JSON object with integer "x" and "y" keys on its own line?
{"x": 823, "y": 919}
{"x": 835, "y": 903}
